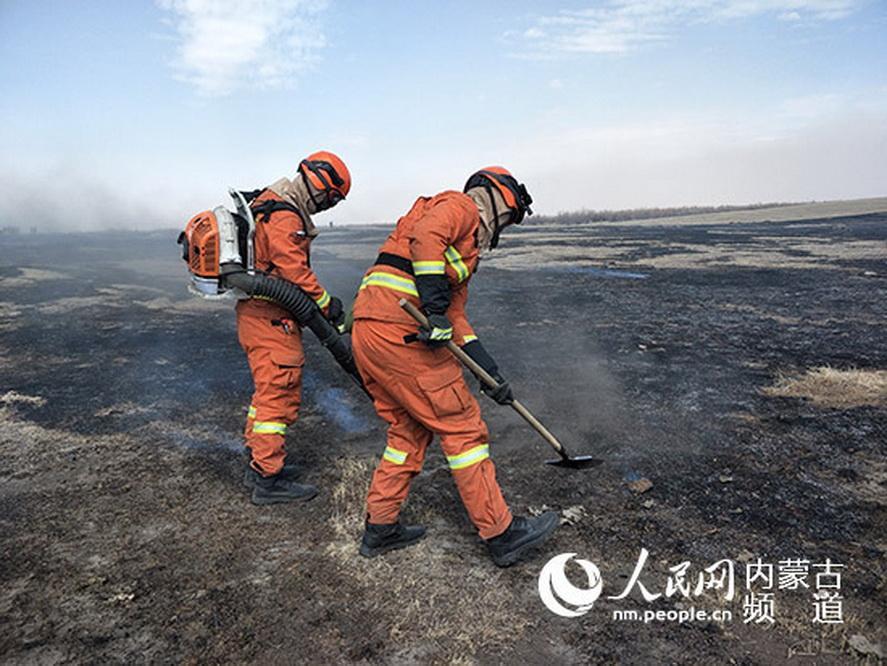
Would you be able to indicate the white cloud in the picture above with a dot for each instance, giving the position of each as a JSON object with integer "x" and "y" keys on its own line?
{"x": 226, "y": 44}
{"x": 825, "y": 146}
{"x": 620, "y": 26}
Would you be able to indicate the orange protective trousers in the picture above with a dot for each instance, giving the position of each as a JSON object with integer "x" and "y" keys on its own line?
{"x": 273, "y": 346}
{"x": 421, "y": 392}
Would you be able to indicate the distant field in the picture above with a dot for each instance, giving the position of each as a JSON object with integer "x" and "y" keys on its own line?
{"x": 816, "y": 235}
{"x": 777, "y": 213}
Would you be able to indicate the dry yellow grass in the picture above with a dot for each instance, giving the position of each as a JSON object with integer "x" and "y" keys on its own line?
{"x": 411, "y": 587}
{"x": 831, "y": 387}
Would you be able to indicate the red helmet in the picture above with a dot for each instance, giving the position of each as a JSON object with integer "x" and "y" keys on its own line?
{"x": 514, "y": 193}
{"x": 328, "y": 177}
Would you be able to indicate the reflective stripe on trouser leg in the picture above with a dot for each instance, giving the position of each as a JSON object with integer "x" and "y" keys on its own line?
{"x": 392, "y": 455}
{"x": 475, "y": 477}
{"x": 250, "y": 415}
{"x": 401, "y": 461}
{"x": 471, "y": 457}
{"x": 269, "y": 428}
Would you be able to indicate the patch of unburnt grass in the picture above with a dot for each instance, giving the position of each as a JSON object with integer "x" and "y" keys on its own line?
{"x": 834, "y": 388}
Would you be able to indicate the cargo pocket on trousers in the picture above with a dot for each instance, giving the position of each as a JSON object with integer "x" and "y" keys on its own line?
{"x": 290, "y": 365}
{"x": 442, "y": 390}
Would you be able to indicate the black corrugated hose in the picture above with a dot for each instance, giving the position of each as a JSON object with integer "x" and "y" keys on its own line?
{"x": 304, "y": 310}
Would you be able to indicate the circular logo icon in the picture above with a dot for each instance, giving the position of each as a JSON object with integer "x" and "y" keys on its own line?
{"x": 559, "y": 595}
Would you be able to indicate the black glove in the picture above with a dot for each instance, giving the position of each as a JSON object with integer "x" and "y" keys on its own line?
{"x": 479, "y": 355}
{"x": 335, "y": 312}
{"x": 441, "y": 331}
{"x": 502, "y": 394}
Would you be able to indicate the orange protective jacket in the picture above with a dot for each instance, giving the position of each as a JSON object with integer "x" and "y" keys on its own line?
{"x": 283, "y": 249}
{"x": 438, "y": 236}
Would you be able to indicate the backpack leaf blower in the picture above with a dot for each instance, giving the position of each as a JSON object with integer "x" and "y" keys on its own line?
{"x": 218, "y": 246}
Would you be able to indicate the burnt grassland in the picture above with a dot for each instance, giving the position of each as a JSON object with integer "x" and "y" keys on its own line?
{"x": 689, "y": 355}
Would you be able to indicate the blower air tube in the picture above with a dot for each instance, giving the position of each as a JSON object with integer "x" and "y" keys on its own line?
{"x": 302, "y": 308}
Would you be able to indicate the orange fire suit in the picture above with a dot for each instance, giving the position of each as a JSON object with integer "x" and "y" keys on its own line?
{"x": 271, "y": 340}
{"x": 420, "y": 391}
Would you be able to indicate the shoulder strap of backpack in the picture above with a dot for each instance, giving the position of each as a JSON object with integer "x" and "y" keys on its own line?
{"x": 266, "y": 208}
{"x": 251, "y": 195}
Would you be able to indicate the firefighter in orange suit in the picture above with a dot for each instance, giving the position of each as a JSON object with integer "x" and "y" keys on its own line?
{"x": 271, "y": 340}
{"x": 416, "y": 384}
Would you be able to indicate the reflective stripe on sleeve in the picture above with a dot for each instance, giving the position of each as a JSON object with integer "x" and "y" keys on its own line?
{"x": 470, "y": 457}
{"x": 392, "y": 455}
{"x": 429, "y": 267}
{"x": 251, "y": 412}
{"x": 468, "y": 338}
{"x": 323, "y": 300}
{"x": 269, "y": 428}
{"x": 455, "y": 259}
{"x": 389, "y": 281}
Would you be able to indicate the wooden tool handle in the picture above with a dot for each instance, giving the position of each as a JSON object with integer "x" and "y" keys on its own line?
{"x": 486, "y": 378}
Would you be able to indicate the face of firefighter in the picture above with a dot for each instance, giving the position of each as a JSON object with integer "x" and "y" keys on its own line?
{"x": 494, "y": 214}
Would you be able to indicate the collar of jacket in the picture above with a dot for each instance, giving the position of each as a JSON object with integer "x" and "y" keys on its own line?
{"x": 483, "y": 200}
{"x": 295, "y": 192}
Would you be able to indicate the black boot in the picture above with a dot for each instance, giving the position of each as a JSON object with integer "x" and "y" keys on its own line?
{"x": 378, "y": 539}
{"x": 522, "y": 535}
{"x": 289, "y": 472}
{"x": 276, "y": 489}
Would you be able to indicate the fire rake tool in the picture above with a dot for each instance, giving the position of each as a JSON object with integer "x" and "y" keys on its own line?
{"x": 565, "y": 460}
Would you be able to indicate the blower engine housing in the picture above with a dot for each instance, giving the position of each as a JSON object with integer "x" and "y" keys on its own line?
{"x": 218, "y": 242}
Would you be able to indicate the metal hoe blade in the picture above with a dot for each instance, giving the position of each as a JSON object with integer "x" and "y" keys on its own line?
{"x": 579, "y": 462}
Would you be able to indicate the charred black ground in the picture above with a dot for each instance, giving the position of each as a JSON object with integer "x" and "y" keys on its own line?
{"x": 126, "y": 535}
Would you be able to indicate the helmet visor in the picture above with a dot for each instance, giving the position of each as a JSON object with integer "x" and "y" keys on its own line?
{"x": 326, "y": 174}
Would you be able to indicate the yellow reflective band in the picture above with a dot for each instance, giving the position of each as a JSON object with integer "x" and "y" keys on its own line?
{"x": 251, "y": 412}
{"x": 429, "y": 267}
{"x": 324, "y": 299}
{"x": 455, "y": 259}
{"x": 470, "y": 457}
{"x": 389, "y": 281}
{"x": 468, "y": 338}
{"x": 392, "y": 455}
{"x": 269, "y": 428}
{"x": 442, "y": 333}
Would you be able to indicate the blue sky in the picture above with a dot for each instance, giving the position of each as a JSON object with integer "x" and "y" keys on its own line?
{"x": 139, "y": 114}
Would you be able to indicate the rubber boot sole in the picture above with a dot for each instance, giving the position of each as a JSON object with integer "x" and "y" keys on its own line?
{"x": 260, "y": 500}
{"x": 367, "y": 551}
{"x": 511, "y": 558}
{"x": 249, "y": 482}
